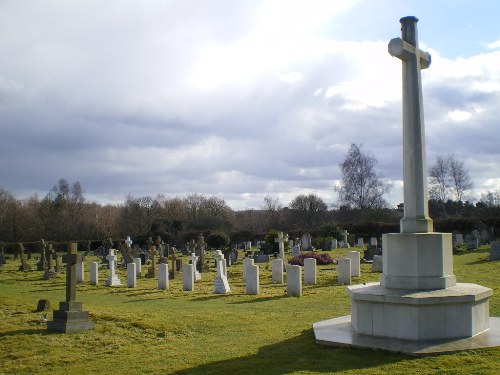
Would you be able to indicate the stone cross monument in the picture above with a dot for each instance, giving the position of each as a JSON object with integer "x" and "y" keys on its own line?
{"x": 416, "y": 212}
{"x": 281, "y": 243}
{"x": 70, "y": 317}
{"x": 418, "y": 300}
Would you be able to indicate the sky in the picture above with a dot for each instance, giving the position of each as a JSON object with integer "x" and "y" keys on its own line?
{"x": 238, "y": 99}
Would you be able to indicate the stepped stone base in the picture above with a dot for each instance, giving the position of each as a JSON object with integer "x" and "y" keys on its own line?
{"x": 339, "y": 332}
{"x": 459, "y": 311}
{"x": 70, "y": 318}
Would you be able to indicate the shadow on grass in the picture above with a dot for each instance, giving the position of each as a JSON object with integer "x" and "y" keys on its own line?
{"x": 299, "y": 354}
{"x": 480, "y": 261}
{"x": 33, "y": 331}
{"x": 261, "y": 299}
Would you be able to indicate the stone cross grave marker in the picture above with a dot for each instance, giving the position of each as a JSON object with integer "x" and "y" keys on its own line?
{"x": 194, "y": 261}
{"x": 152, "y": 270}
{"x": 112, "y": 279}
{"x": 70, "y": 317}
{"x": 128, "y": 242}
{"x": 173, "y": 271}
{"x": 24, "y": 264}
{"x": 42, "y": 264}
{"x": 281, "y": 243}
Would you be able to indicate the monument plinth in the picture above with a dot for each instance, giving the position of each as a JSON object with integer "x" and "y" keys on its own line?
{"x": 418, "y": 298}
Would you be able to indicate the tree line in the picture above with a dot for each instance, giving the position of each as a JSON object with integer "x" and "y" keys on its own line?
{"x": 64, "y": 214}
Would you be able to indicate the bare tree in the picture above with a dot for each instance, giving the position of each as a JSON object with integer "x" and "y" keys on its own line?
{"x": 448, "y": 176}
{"x": 439, "y": 186}
{"x": 361, "y": 187}
{"x": 459, "y": 176}
{"x": 272, "y": 207}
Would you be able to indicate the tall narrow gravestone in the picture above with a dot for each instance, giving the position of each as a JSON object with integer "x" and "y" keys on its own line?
{"x": 70, "y": 317}
{"x": 417, "y": 300}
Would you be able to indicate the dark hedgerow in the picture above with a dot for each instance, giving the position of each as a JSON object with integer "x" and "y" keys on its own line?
{"x": 320, "y": 259}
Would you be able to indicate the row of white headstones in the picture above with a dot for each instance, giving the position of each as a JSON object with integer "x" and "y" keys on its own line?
{"x": 347, "y": 268}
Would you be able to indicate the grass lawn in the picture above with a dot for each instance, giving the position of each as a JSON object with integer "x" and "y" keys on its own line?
{"x": 148, "y": 331}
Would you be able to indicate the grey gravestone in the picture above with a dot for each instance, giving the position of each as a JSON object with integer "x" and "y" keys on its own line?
{"x": 172, "y": 274}
{"x": 495, "y": 250}
{"x": 261, "y": 258}
{"x": 24, "y": 265}
{"x": 3, "y": 260}
{"x": 370, "y": 252}
{"x": 377, "y": 264}
{"x": 152, "y": 270}
{"x": 42, "y": 264}
{"x": 70, "y": 317}
{"x": 49, "y": 273}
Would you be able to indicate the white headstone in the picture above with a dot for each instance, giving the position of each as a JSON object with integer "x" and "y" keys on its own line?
{"x": 277, "y": 272}
{"x": 344, "y": 271}
{"x": 138, "y": 264}
{"x": 246, "y": 262}
{"x": 252, "y": 285}
{"x": 373, "y": 241}
{"x": 296, "y": 250}
{"x": 80, "y": 272}
{"x": 360, "y": 243}
{"x": 293, "y": 280}
{"x": 112, "y": 279}
{"x": 94, "y": 273}
{"x": 334, "y": 243}
{"x": 355, "y": 258}
{"x": 249, "y": 245}
{"x": 194, "y": 261}
{"x": 163, "y": 276}
{"x": 131, "y": 275}
{"x": 221, "y": 285}
{"x": 309, "y": 271}
{"x": 187, "y": 277}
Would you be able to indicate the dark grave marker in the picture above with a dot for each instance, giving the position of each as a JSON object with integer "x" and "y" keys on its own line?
{"x": 24, "y": 265}
{"x": 70, "y": 317}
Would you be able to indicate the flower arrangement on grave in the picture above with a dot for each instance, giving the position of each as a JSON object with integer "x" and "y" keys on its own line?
{"x": 322, "y": 259}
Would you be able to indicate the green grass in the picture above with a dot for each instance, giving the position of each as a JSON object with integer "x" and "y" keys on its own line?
{"x": 148, "y": 331}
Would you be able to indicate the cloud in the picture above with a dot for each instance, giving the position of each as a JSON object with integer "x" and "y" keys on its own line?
{"x": 234, "y": 99}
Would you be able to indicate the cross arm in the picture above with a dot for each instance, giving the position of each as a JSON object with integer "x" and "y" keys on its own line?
{"x": 405, "y": 51}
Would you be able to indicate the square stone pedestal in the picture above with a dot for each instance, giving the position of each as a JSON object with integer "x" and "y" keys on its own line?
{"x": 70, "y": 318}
{"x": 417, "y": 261}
